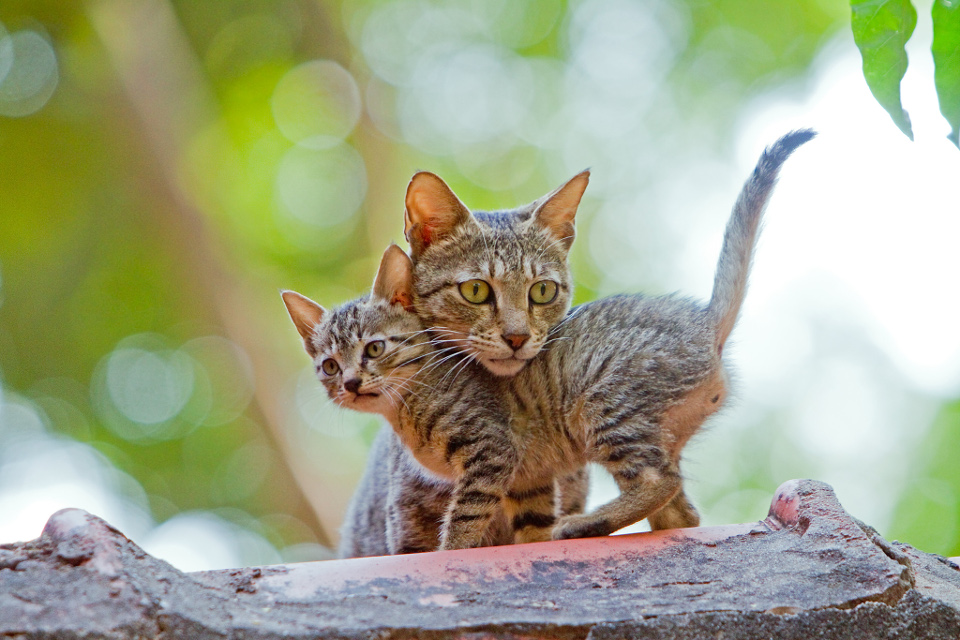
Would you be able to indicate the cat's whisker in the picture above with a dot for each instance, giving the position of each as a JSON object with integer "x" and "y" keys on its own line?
{"x": 461, "y": 367}
{"x": 429, "y": 368}
{"x": 553, "y": 340}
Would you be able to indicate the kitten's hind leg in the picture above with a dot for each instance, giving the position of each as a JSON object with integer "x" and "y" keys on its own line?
{"x": 647, "y": 478}
{"x": 679, "y": 513}
{"x": 572, "y": 490}
{"x": 414, "y": 506}
{"x": 637, "y": 500}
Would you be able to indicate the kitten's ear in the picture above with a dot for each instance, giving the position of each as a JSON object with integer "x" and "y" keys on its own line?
{"x": 556, "y": 211}
{"x": 394, "y": 282}
{"x": 432, "y": 210}
{"x": 305, "y": 314}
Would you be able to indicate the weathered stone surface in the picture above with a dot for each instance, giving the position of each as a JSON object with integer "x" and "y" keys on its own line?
{"x": 808, "y": 570}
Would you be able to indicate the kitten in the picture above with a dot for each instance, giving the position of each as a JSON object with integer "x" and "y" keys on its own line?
{"x": 628, "y": 379}
{"x": 397, "y": 508}
{"x": 372, "y": 355}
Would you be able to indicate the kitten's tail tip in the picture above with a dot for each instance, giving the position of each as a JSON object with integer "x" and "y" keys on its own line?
{"x": 794, "y": 139}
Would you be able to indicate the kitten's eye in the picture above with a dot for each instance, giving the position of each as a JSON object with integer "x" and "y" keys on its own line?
{"x": 475, "y": 291}
{"x": 330, "y": 367}
{"x": 543, "y": 292}
{"x": 375, "y": 349}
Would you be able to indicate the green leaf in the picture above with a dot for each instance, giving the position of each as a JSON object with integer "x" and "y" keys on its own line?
{"x": 946, "y": 60}
{"x": 881, "y": 29}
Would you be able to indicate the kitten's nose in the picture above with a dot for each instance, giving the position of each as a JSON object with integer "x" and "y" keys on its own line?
{"x": 352, "y": 385}
{"x": 515, "y": 340}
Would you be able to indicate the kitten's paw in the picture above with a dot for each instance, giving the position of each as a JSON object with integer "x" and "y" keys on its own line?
{"x": 449, "y": 543}
{"x": 581, "y": 526}
{"x": 532, "y": 534}
{"x": 671, "y": 517}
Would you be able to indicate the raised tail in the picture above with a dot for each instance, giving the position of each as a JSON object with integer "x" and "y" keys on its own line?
{"x": 733, "y": 268}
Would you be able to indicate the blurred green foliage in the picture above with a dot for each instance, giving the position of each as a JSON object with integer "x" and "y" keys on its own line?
{"x": 927, "y": 514}
{"x": 881, "y": 29}
{"x": 194, "y": 157}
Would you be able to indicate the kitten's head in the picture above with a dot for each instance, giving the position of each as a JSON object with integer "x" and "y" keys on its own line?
{"x": 491, "y": 284}
{"x": 365, "y": 351}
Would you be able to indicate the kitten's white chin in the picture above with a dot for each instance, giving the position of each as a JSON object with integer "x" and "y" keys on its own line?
{"x": 505, "y": 368}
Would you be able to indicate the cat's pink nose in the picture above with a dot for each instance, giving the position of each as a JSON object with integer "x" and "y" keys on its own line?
{"x": 352, "y": 385}
{"x": 515, "y": 340}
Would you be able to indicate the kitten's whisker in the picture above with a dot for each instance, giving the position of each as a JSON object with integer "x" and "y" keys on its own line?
{"x": 405, "y": 382}
{"x": 393, "y": 393}
{"x": 409, "y": 381}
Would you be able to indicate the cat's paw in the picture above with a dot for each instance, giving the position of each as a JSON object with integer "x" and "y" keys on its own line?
{"x": 581, "y": 526}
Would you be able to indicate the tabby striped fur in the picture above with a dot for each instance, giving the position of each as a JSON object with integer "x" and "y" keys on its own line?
{"x": 626, "y": 381}
{"x": 456, "y": 490}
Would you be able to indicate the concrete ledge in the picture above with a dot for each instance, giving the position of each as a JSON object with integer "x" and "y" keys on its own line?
{"x": 808, "y": 570}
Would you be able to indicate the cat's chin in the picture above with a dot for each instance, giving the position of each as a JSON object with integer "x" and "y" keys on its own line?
{"x": 504, "y": 367}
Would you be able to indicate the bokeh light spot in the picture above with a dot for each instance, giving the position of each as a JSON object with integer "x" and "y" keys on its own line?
{"x": 324, "y": 187}
{"x": 6, "y": 52}
{"x": 521, "y": 23}
{"x": 31, "y": 76}
{"x": 203, "y": 541}
{"x": 316, "y": 104}
{"x": 247, "y": 42}
{"x": 224, "y": 379}
{"x": 147, "y": 387}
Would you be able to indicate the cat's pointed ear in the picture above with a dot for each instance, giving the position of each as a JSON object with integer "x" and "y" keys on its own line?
{"x": 556, "y": 211}
{"x": 306, "y": 314}
{"x": 394, "y": 282}
{"x": 432, "y": 210}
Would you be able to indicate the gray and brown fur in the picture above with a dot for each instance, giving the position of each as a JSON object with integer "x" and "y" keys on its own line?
{"x": 625, "y": 381}
{"x": 443, "y": 476}
{"x": 510, "y": 250}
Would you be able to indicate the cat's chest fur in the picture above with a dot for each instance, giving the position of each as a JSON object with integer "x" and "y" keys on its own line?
{"x": 529, "y": 414}
{"x": 427, "y": 446}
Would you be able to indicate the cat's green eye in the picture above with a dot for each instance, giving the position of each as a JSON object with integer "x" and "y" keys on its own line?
{"x": 330, "y": 367}
{"x": 375, "y": 349}
{"x": 475, "y": 291}
{"x": 543, "y": 292}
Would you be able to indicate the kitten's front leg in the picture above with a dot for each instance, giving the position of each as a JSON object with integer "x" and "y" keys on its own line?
{"x": 531, "y": 512}
{"x": 486, "y": 464}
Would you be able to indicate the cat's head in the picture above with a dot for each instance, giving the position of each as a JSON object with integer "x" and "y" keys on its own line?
{"x": 365, "y": 351}
{"x": 493, "y": 284}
